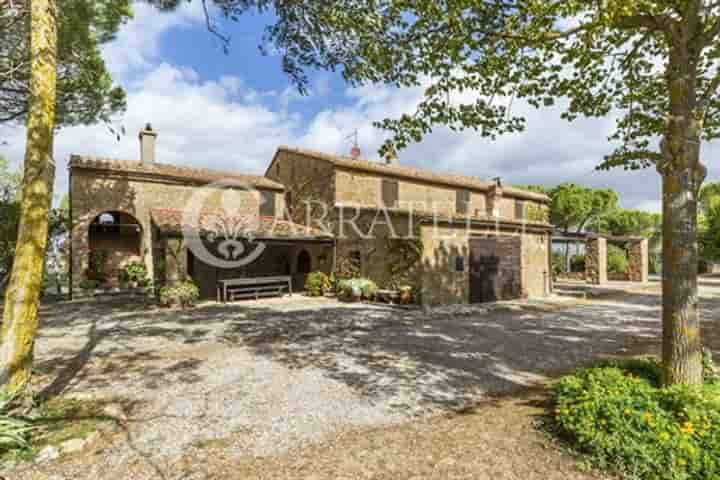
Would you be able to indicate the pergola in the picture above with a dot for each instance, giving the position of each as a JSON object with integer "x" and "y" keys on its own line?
{"x": 596, "y": 254}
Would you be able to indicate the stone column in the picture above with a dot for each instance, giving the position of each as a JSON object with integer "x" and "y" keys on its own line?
{"x": 596, "y": 261}
{"x": 175, "y": 260}
{"x": 637, "y": 254}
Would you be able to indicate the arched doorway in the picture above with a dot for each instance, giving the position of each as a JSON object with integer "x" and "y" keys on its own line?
{"x": 304, "y": 263}
{"x": 303, "y": 267}
{"x": 114, "y": 241}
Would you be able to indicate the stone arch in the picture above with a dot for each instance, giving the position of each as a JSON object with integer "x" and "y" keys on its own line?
{"x": 114, "y": 240}
{"x": 304, "y": 262}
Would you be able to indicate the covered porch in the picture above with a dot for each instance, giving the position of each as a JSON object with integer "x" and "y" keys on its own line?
{"x": 269, "y": 247}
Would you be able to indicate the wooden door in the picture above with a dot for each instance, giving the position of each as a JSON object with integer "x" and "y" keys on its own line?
{"x": 495, "y": 269}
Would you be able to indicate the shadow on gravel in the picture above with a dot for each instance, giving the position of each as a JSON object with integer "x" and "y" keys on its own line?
{"x": 423, "y": 361}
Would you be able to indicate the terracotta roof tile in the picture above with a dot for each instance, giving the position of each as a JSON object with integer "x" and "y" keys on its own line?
{"x": 413, "y": 173}
{"x": 174, "y": 221}
{"x": 170, "y": 172}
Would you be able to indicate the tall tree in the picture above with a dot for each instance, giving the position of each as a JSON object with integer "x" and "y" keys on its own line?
{"x": 22, "y": 297}
{"x": 93, "y": 21}
{"x": 85, "y": 91}
{"x": 654, "y": 62}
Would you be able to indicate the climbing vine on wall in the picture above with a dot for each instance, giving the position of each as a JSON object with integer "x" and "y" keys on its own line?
{"x": 404, "y": 254}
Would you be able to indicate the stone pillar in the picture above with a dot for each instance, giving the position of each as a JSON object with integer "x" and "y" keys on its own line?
{"x": 596, "y": 261}
{"x": 175, "y": 260}
{"x": 637, "y": 254}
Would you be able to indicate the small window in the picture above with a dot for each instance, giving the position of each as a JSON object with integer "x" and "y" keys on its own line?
{"x": 460, "y": 264}
{"x": 277, "y": 168}
{"x": 267, "y": 203}
{"x": 520, "y": 209}
{"x": 462, "y": 201}
{"x": 390, "y": 193}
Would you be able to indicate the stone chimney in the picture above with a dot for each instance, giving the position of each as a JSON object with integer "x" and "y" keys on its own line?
{"x": 391, "y": 157}
{"x": 147, "y": 144}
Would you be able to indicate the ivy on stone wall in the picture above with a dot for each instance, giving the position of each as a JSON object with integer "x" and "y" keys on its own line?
{"x": 404, "y": 254}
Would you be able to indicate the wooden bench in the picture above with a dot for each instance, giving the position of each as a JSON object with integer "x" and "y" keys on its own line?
{"x": 255, "y": 287}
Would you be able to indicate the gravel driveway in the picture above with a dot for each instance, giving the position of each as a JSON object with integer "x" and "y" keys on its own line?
{"x": 267, "y": 376}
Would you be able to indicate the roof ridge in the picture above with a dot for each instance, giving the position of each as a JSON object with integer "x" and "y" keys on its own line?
{"x": 182, "y": 172}
{"x": 412, "y": 172}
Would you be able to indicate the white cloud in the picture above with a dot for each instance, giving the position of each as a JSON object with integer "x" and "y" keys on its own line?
{"x": 137, "y": 45}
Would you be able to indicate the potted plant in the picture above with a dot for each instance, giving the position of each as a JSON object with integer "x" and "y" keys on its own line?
{"x": 136, "y": 274}
{"x": 406, "y": 294}
{"x": 317, "y": 284}
{"x": 183, "y": 294}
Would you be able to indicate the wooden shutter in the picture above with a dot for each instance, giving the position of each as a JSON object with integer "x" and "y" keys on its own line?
{"x": 462, "y": 201}
{"x": 519, "y": 209}
{"x": 390, "y": 194}
{"x": 267, "y": 203}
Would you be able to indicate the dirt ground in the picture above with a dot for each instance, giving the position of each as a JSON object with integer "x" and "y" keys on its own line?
{"x": 498, "y": 439}
{"x": 313, "y": 389}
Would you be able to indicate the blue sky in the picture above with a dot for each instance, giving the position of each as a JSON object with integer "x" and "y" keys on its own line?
{"x": 231, "y": 111}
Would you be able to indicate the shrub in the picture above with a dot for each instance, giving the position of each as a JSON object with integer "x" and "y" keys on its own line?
{"x": 617, "y": 261}
{"x": 97, "y": 265}
{"x": 317, "y": 284}
{"x": 577, "y": 263}
{"x": 89, "y": 284}
{"x": 135, "y": 272}
{"x": 558, "y": 264}
{"x": 357, "y": 288}
{"x": 184, "y": 294}
{"x": 625, "y": 422}
{"x": 14, "y": 432}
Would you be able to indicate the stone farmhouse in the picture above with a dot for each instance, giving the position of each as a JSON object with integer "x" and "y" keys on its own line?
{"x": 453, "y": 238}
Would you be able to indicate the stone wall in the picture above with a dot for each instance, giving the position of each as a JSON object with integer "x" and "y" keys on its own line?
{"x": 596, "y": 261}
{"x": 93, "y": 193}
{"x": 442, "y": 283}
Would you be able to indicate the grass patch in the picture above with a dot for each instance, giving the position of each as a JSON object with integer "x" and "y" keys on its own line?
{"x": 620, "y": 419}
{"x": 56, "y": 421}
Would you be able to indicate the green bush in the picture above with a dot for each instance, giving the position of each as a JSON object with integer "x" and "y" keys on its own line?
{"x": 577, "y": 263}
{"x": 14, "y": 432}
{"x": 357, "y": 288}
{"x": 184, "y": 294}
{"x": 97, "y": 265}
{"x": 135, "y": 272}
{"x": 558, "y": 264}
{"x": 317, "y": 284}
{"x": 617, "y": 261}
{"x": 625, "y": 422}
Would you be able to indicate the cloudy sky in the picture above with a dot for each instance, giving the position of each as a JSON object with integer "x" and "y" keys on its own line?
{"x": 231, "y": 111}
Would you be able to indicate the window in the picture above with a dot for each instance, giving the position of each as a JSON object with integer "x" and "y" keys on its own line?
{"x": 462, "y": 201}
{"x": 390, "y": 193}
{"x": 459, "y": 264}
{"x": 267, "y": 203}
{"x": 519, "y": 209}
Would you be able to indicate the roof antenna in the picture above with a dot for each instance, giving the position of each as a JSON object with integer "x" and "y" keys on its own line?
{"x": 355, "y": 150}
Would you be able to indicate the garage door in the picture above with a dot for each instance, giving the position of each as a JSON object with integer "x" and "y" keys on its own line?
{"x": 495, "y": 269}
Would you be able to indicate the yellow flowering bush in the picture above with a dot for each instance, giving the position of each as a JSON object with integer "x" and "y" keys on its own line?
{"x": 618, "y": 415}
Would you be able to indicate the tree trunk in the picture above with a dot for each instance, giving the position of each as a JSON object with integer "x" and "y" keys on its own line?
{"x": 20, "y": 320}
{"x": 682, "y": 347}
